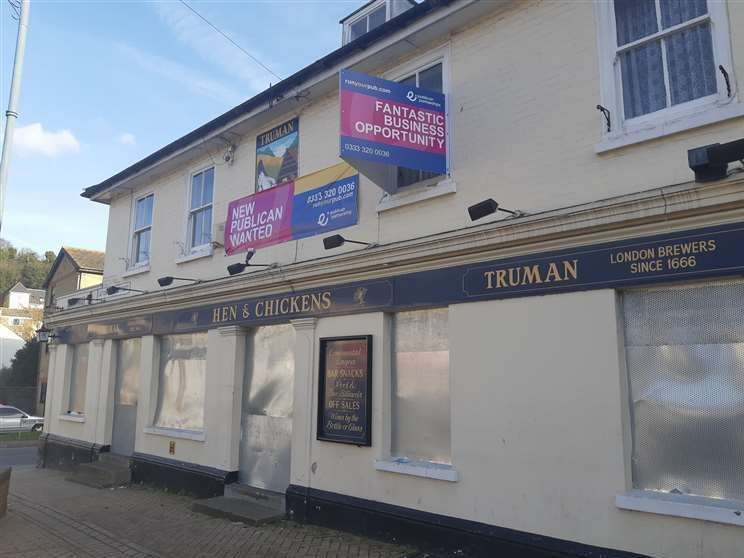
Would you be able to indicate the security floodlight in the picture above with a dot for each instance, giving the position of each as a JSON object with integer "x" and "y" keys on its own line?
{"x": 234, "y": 269}
{"x": 113, "y": 290}
{"x": 710, "y": 162}
{"x": 72, "y": 301}
{"x": 488, "y": 207}
{"x": 336, "y": 240}
{"x": 168, "y": 280}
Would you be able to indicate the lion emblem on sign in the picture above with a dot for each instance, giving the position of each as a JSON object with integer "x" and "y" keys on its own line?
{"x": 360, "y": 296}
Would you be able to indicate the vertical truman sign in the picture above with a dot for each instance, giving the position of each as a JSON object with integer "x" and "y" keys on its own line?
{"x": 392, "y": 124}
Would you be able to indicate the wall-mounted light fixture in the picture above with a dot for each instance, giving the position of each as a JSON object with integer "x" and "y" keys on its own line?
{"x": 234, "y": 269}
{"x": 112, "y": 290}
{"x": 44, "y": 335}
{"x": 710, "y": 162}
{"x": 168, "y": 280}
{"x": 335, "y": 241}
{"x": 488, "y": 207}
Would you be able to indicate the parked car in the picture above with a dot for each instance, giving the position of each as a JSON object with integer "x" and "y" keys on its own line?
{"x": 15, "y": 420}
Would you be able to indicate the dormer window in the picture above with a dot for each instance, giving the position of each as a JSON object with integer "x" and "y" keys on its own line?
{"x": 366, "y": 23}
{"x": 372, "y": 15}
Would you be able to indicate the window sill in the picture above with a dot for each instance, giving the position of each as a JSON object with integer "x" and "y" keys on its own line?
{"x": 136, "y": 270}
{"x": 194, "y": 255}
{"x": 424, "y": 469}
{"x": 194, "y": 435}
{"x": 72, "y": 418}
{"x": 680, "y": 124}
{"x": 681, "y": 505}
{"x": 414, "y": 194}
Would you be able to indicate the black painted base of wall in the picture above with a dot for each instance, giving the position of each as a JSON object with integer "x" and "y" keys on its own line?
{"x": 58, "y": 452}
{"x": 179, "y": 476}
{"x": 430, "y": 531}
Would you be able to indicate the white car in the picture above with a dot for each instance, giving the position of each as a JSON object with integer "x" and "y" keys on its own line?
{"x": 15, "y": 420}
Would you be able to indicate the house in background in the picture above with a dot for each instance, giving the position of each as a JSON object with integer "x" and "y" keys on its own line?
{"x": 21, "y": 310}
{"x": 74, "y": 269}
{"x": 21, "y": 297}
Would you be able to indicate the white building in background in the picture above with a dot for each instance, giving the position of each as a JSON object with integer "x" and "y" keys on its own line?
{"x": 561, "y": 379}
{"x": 9, "y": 345}
{"x": 21, "y": 297}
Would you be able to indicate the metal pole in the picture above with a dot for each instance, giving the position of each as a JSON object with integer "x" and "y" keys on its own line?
{"x": 11, "y": 114}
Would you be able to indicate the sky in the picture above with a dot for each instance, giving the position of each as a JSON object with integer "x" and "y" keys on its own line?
{"x": 106, "y": 83}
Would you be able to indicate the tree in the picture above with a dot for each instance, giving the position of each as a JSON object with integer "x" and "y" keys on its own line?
{"x": 23, "y": 366}
{"x": 22, "y": 265}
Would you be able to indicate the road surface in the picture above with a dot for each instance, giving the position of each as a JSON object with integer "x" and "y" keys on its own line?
{"x": 18, "y": 457}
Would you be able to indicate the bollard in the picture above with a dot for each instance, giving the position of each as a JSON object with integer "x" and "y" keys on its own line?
{"x": 4, "y": 488}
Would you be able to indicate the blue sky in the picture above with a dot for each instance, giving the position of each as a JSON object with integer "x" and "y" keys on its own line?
{"x": 107, "y": 83}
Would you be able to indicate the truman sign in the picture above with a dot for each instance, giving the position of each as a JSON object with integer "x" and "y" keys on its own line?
{"x": 387, "y": 123}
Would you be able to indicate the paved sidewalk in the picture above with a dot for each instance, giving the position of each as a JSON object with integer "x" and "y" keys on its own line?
{"x": 49, "y": 516}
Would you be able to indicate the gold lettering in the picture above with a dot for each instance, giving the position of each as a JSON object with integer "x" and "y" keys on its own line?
{"x": 571, "y": 268}
{"x": 260, "y": 308}
{"x": 553, "y": 274}
{"x": 305, "y": 303}
{"x": 327, "y": 302}
{"x": 284, "y": 306}
{"x": 216, "y": 315}
{"x": 513, "y": 276}
{"x": 295, "y": 308}
{"x": 500, "y": 278}
{"x": 315, "y": 301}
{"x": 531, "y": 275}
{"x": 489, "y": 275}
{"x": 246, "y": 311}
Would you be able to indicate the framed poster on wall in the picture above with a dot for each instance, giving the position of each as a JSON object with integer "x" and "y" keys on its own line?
{"x": 345, "y": 390}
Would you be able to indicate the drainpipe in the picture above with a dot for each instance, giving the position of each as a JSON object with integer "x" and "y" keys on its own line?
{"x": 12, "y": 114}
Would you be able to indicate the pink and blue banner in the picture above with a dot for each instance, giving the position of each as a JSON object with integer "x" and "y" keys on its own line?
{"x": 391, "y": 123}
{"x": 314, "y": 204}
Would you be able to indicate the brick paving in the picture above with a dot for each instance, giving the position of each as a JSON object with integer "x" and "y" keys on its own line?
{"x": 51, "y": 517}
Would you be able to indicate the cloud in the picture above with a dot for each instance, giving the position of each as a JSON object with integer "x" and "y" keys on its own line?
{"x": 127, "y": 139}
{"x": 190, "y": 30}
{"x": 35, "y": 139}
{"x": 188, "y": 78}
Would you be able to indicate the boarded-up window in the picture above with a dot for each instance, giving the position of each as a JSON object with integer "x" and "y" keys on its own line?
{"x": 78, "y": 378}
{"x": 183, "y": 363}
{"x": 421, "y": 386}
{"x": 685, "y": 360}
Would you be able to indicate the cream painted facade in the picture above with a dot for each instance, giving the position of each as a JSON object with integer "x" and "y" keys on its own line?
{"x": 539, "y": 406}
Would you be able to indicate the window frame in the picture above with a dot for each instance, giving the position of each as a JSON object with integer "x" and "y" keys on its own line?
{"x": 132, "y": 259}
{"x": 674, "y": 118}
{"x": 705, "y": 508}
{"x": 73, "y": 374}
{"x": 190, "y": 252}
{"x": 362, "y": 14}
{"x": 440, "y": 184}
{"x": 156, "y": 386}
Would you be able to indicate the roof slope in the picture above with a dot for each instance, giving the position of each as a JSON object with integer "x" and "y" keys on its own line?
{"x": 88, "y": 261}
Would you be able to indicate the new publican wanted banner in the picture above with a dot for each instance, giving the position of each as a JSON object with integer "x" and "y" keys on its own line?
{"x": 314, "y": 204}
{"x": 391, "y": 123}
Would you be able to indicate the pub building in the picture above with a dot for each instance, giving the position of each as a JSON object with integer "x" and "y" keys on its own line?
{"x": 473, "y": 279}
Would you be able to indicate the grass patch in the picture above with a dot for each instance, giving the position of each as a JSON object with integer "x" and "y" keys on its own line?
{"x": 19, "y": 436}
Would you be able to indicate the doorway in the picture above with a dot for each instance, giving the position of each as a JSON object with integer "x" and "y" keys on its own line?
{"x": 126, "y": 394}
{"x": 266, "y": 415}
